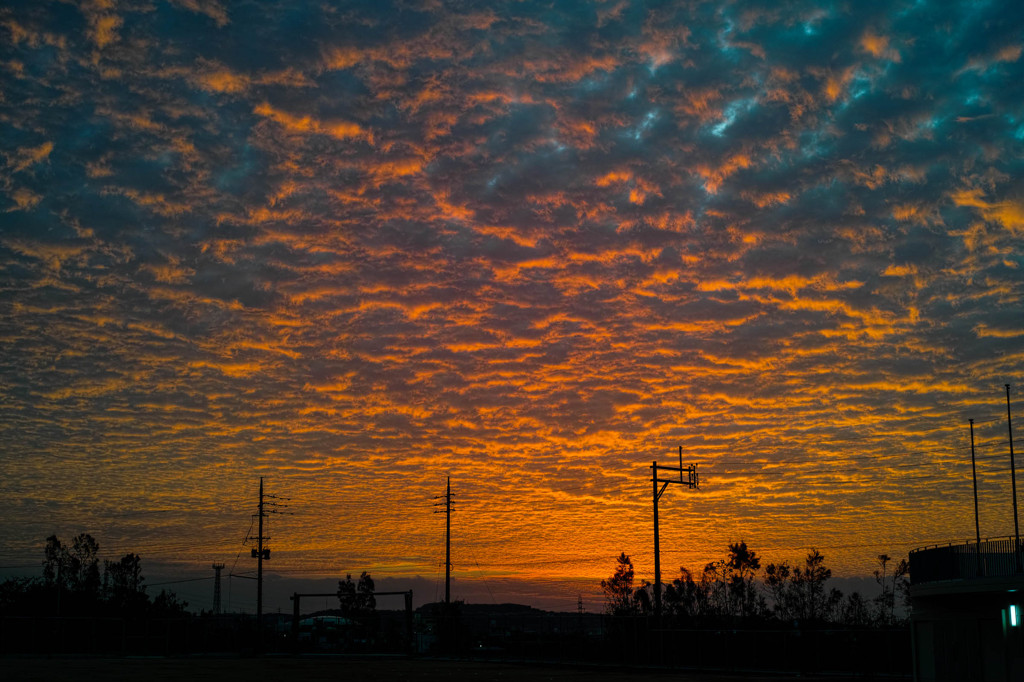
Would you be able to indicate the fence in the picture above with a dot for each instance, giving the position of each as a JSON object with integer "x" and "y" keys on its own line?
{"x": 987, "y": 559}
{"x": 46, "y": 635}
{"x": 639, "y": 641}
{"x": 591, "y": 639}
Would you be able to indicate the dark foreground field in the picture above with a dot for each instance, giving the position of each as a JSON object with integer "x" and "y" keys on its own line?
{"x": 333, "y": 669}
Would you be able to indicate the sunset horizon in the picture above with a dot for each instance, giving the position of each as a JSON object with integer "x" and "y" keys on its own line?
{"x": 355, "y": 249}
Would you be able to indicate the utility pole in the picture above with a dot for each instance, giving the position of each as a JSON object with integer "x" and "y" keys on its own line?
{"x": 259, "y": 575}
{"x": 447, "y": 619}
{"x": 974, "y": 475}
{"x": 447, "y": 497}
{"x": 216, "y": 588}
{"x": 1013, "y": 480}
{"x": 261, "y": 554}
{"x": 690, "y": 482}
{"x": 448, "y": 543}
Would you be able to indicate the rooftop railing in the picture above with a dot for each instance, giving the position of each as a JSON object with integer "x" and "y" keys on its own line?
{"x": 994, "y": 558}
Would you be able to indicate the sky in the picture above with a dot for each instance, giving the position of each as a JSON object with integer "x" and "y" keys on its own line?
{"x": 356, "y": 248}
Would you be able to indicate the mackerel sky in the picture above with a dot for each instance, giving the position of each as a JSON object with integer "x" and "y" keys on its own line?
{"x": 358, "y": 247}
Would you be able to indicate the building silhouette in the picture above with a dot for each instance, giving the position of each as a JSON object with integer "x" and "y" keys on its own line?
{"x": 967, "y": 622}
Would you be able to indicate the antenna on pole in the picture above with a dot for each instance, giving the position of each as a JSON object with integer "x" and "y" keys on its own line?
{"x": 690, "y": 482}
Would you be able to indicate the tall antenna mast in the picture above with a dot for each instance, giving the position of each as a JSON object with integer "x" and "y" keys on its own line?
{"x": 216, "y": 588}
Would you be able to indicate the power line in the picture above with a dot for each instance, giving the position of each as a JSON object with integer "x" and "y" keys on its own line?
{"x": 176, "y": 582}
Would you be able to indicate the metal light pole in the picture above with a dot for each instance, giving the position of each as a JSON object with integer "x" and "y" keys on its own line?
{"x": 974, "y": 475}
{"x": 1013, "y": 480}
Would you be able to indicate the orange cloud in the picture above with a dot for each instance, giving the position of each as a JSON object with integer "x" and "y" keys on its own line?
{"x": 1005, "y": 54}
{"x": 984, "y": 330}
{"x": 341, "y": 58}
{"x": 1009, "y": 214}
{"x": 878, "y": 46}
{"x": 156, "y": 202}
{"x": 224, "y": 81}
{"x": 561, "y": 70}
{"x": 22, "y": 158}
{"x": 916, "y": 213}
{"x": 104, "y": 29}
{"x": 613, "y": 177}
{"x": 228, "y": 368}
{"x": 391, "y": 169}
{"x": 714, "y": 176}
{"x": 211, "y": 8}
{"x": 701, "y": 103}
{"x": 24, "y": 199}
{"x": 766, "y": 199}
{"x": 342, "y": 130}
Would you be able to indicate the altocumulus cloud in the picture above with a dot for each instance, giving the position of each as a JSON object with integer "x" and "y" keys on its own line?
{"x": 358, "y": 248}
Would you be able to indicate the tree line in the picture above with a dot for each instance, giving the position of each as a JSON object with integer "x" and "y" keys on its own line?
{"x": 72, "y": 584}
{"x": 735, "y": 589}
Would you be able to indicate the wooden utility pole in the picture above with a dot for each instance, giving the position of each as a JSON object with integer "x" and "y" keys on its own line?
{"x": 690, "y": 482}
{"x": 448, "y": 543}
{"x": 259, "y": 574}
{"x": 262, "y": 553}
{"x": 447, "y": 497}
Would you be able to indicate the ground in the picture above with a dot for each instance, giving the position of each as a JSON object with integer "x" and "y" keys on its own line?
{"x": 322, "y": 669}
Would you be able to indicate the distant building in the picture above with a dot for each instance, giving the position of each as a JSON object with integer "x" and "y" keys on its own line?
{"x": 967, "y": 622}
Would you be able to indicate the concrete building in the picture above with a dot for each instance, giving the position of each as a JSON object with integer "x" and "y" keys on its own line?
{"x": 967, "y": 622}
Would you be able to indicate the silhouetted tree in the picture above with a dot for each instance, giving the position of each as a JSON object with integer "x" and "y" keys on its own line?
{"x": 643, "y": 599}
{"x": 902, "y": 583}
{"x": 167, "y": 605}
{"x": 85, "y": 563}
{"x": 684, "y": 597}
{"x": 56, "y": 565}
{"x": 23, "y": 596}
{"x": 777, "y": 581}
{"x": 855, "y": 611}
{"x": 124, "y": 584}
{"x": 618, "y": 589}
{"x": 714, "y": 584}
{"x": 834, "y": 606}
{"x": 891, "y": 584}
{"x": 812, "y": 604}
{"x": 73, "y": 572}
{"x": 356, "y": 599}
{"x": 742, "y": 566}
